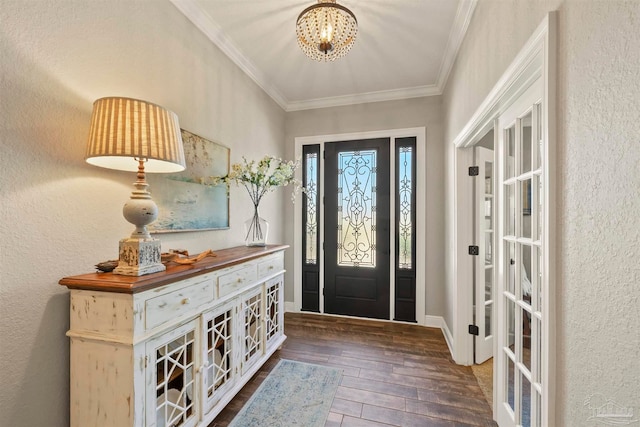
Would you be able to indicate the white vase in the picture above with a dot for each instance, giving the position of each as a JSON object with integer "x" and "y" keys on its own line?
{"x": 256, "y": 230}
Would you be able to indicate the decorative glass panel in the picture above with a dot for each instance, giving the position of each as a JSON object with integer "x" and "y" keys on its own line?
{"x": 273, "y": 314}
{"x": 175, "y": 380}
{"x": 253, "y": 327}
{"x": 219, "y": 351}
{"x": 357, "y": 208}
{"x": 405, "y": 199}
{"x": 311, "y": 220}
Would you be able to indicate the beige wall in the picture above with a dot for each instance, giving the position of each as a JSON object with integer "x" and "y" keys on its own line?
{"x": 60, "y": 216}
{"x": 596, "y": 289}
{"x": 416, "y": 112}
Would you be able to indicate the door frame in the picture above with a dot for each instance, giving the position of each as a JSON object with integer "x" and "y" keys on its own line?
{"x": 421, "y": 179}
{"x": 537, "y": 59}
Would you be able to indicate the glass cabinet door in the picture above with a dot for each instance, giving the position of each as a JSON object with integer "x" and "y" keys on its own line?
{"x": 219, "y": 373}
{"x": 274, "y": 313}
{"x": 171, "y": 387}
{"x": 252, "y": 324}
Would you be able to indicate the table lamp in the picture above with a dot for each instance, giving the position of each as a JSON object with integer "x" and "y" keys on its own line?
{"x": 132, "y": 135}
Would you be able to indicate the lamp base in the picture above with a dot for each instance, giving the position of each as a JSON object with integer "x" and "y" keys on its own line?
{"x": 139, "y": 256}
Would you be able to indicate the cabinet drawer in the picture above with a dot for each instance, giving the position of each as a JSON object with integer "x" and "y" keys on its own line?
{"x": 237, "y": 279}
{"x": 271, "y": 265}
{"x": 174, "y": 304}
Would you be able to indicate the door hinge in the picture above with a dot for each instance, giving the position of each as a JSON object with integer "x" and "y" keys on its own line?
{"x": 474, "y": 170}
{"x": 474, "y": 330}
{"x": 474, "y": 250}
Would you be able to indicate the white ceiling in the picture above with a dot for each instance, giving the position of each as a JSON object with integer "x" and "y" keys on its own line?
{"x": 404, "y": 48}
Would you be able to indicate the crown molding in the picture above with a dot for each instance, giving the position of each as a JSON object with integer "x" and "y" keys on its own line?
{"x": 362, "y": 98}
{"x": 212, "y": 30}
{"x": 456, "y": 36}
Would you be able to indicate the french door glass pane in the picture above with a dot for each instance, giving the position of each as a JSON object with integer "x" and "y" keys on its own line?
{"x": 510, "y": 200}
{"x": 357, "y": 208}
{"x": 487, "y": 319}
{"x": 525, "y": 406}
{"x": 540, "y": 209}
{"x": 526, "y": 208}
{"x": 510, "y": 261}
{"x": 405, "y": 198}
{"x": 538, "y": 349}
{"x": 311, "y": 220}
{"x": 525, "y": 274}
{"x": 510, "y": 377}
{"x": 539, "y": 289}
{"x": 525, "y": 350}
{"x": 527, "y": 143}
{"x": 538, "y": 108}
{"x": 511, "y": 324}
{"x": 510, "y": 143}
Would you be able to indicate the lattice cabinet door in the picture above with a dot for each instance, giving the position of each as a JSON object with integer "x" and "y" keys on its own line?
{"x": 219, "y": 368}
{"x": 274, "y": 311}
{"x": 253, "y": 326}
{"x": 171, "y": 390}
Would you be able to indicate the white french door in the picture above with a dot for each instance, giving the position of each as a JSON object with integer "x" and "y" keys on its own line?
{"x": 484, "y": 262}
{"x": 522, "y": 287}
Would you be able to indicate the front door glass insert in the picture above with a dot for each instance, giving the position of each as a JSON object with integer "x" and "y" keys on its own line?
{"x": 357, "y": 208}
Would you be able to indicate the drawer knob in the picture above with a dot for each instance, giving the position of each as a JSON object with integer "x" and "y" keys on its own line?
{"x": 185, "y": 301}
{"x": 271, "y": 267}
{"x": 239, "y": 280}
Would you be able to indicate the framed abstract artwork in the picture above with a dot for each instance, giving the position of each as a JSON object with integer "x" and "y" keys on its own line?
{"x": 184, "y": 204}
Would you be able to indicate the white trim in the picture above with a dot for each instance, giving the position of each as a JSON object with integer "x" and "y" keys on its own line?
{"x": 433, "y": 321}
{"x": 289, "y": 307}
{"x": 214, "y": 32}
{"x": 421, "y": 151}
{"x": 362, "y": 98}
{"x": 456, "y": 36}
{"x": 439, "y": 323}
{"x": 502, "y": 93}
{"x": 447, "y": 336}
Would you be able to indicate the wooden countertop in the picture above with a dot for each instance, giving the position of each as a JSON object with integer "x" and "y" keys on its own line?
{"x": 109, "y": 282}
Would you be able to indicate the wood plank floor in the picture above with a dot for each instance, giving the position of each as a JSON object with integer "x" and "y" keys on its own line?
{"x": 394, "y": 374}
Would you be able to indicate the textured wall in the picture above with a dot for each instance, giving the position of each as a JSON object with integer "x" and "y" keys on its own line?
{"x": 416, "y": 112}
{"x": 597, "y": 288}
{"x": 59, "y": 216}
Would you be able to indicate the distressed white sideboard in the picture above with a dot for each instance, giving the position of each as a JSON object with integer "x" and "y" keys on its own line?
{"x": 173, "y": 348}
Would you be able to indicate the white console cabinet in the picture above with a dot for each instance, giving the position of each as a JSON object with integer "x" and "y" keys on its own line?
{"x": 173, "y": 348}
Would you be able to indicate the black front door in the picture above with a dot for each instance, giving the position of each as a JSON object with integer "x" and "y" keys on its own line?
{"x": 356, "y": 232}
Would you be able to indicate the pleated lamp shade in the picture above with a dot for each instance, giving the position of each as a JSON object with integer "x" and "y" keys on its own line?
{"x": 122, "y": 128}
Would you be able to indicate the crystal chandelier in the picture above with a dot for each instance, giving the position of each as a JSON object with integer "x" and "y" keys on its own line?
{"x": 326, "y": 31}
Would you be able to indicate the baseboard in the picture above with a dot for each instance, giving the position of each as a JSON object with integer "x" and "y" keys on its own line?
{"x": 438, "y": 322}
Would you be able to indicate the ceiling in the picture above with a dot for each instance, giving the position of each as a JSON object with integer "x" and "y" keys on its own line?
{"x": 404, "y": 48}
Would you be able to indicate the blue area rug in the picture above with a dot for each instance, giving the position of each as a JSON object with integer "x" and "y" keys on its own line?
{"x": 294, "y": 394}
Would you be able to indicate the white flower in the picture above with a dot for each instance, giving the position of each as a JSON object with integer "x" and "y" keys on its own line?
{"x": 261, "y": 177}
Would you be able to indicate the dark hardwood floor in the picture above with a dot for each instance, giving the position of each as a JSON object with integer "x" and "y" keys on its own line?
{"x": 394, "y": 374}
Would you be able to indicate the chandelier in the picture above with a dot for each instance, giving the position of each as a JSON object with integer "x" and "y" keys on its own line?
{"x": 326, "y": 31}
